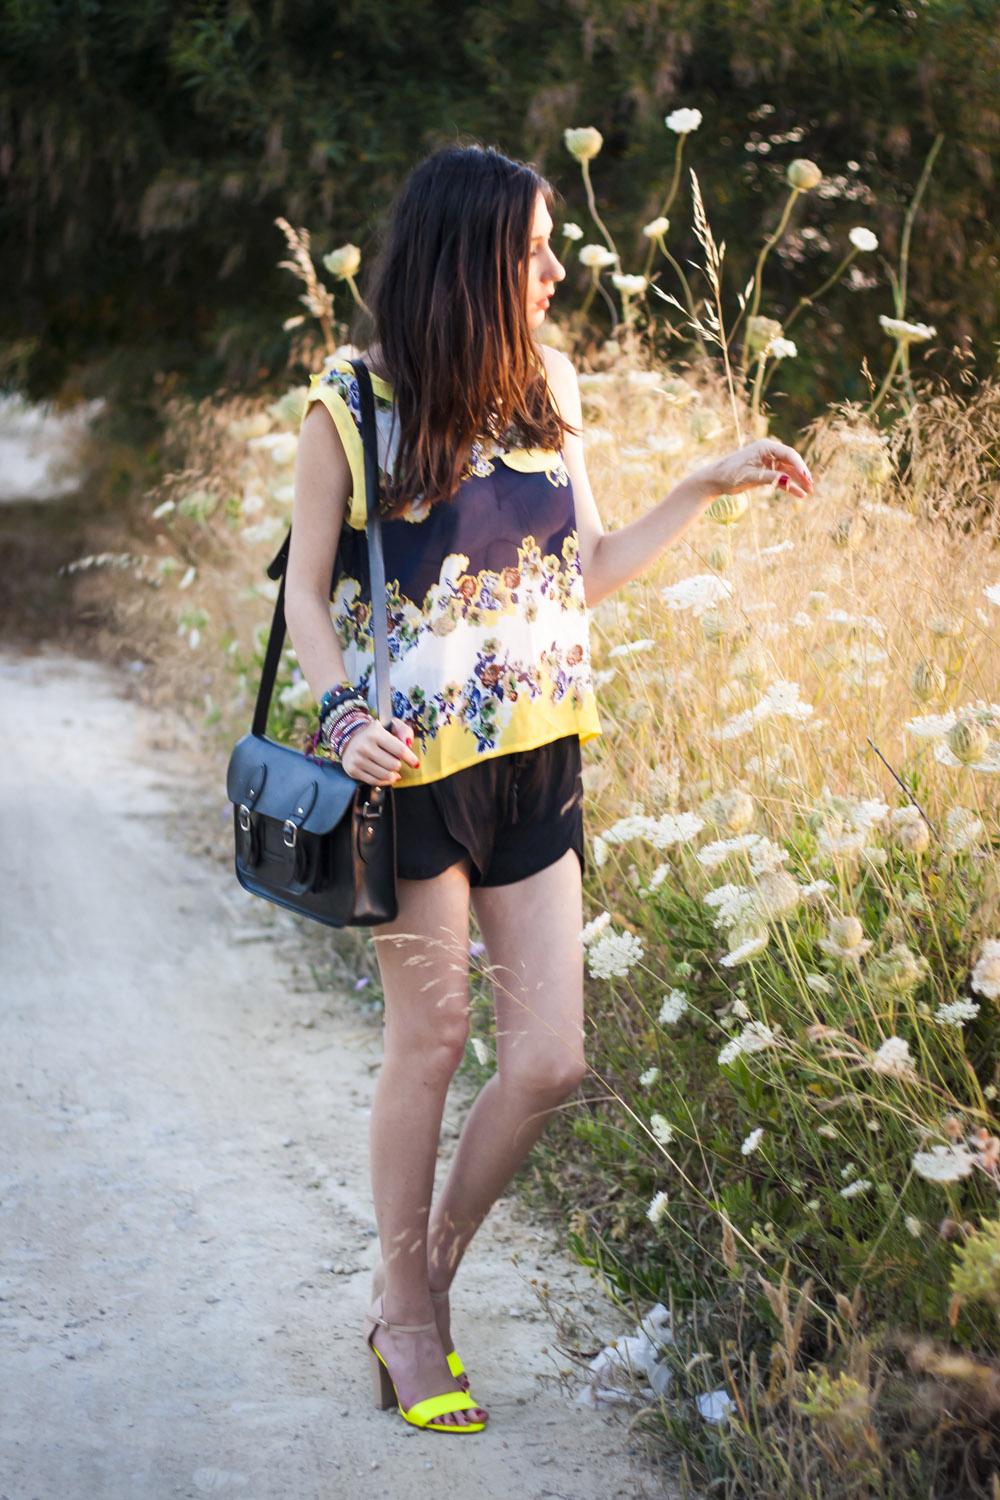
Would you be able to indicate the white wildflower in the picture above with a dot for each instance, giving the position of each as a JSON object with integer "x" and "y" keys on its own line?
{"x": 594, "y": 926}
{"x": 752, "y": 944}
{"x": 481, "y": 1050}
{"x": 701, "y": 591}
{"x": 904, "y": 332}
{"x": 814, "y": 888}
{"x": 612, "y": 954}
{"x": 754, "y": 1037}
{"x": 683, "y": 121}
{"x": 956, "y": 1012}
{"x": 733, "y": 810}
{"x": 752, "y": 1141}
{"x": 734, "y": 903}
{"x": 600, "y": 850}
{"x": 583, "y": 142}
{"x": 985, "y": 979}
{"x": 820, "y": 985}
{"x": 861, "y": 1185}
{"x": 863, "y": 239}
{"x": 656, "y": 227}
{"x": 909, "y": 829}
{"x": 573, "y": 231}
{"x": 845, "y": 939}
{"x": 657, "y": 1209}
{"x": 913, "y": 1226}
{"x": 943, "y": 1163}
{"x": 661, "y": 832}
{"x": 930, "y": 726}
{"x": 776, "y": 895}
{"x": 675, "y": 1003}
{"x": 893, "y": 1058}
{"x": 662, "y": 1129}
{"x": 629, "y": 648}
{"x": 649, "y": 1077}
{"x": 597, "y": 257}
{"x": 629, "y": 286}
{"x": 964, "y": 829}
{"x": 855, "y": 622}
{"x": 781, "y": 348}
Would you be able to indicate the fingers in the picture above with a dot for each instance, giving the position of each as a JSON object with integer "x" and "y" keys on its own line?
{"x": 786, "y": 460}
{"x": 401, "y": 729}
{"x": 374, "y": 753}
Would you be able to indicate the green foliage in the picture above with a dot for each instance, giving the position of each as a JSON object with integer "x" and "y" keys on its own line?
{"x": 150, "y": 147}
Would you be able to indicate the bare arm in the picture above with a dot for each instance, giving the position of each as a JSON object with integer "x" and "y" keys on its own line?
{"x": 611, "y": 558}
{"x": 322, "y": 492}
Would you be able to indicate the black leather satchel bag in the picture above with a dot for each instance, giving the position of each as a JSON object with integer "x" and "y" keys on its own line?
{"x": 309, "y": 836}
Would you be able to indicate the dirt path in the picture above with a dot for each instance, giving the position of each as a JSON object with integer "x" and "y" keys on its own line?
{"x": 185, "y": 1228}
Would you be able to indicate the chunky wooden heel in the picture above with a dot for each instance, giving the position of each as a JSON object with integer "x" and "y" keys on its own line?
{"x": 382, "y": 1387}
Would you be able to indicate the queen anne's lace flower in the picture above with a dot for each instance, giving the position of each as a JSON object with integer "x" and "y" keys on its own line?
{"x": 846, "y": 939}
{"x": 985, "y": 979}
{"x": 943, "y": 1163}
{"x": 612, "y": 955}
{"x": 700, "y": 592}
{"x": 594, "y": 926}
{"x": 662, "y": 1129}
{"x": 683, "y": 121}
{"x": 754, "y": 1037}
{"x": 675, "y": 1003}
{"x": 752, "y": 1141}
{"x": 893, "y": 1058}
{"x": 750, "y": 945}
{"x": 657, "y": 1209}
{"x": 904, "y": 332}
{"x": 956, "y": 1012}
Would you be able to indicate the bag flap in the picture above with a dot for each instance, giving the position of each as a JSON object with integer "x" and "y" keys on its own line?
{"x": 278, "y": 781}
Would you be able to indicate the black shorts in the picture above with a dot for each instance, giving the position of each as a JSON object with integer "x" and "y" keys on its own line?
{"x": 512, "y": 814}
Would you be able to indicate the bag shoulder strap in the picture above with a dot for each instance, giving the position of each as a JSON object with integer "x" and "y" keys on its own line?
{"x": 376, "y": 562}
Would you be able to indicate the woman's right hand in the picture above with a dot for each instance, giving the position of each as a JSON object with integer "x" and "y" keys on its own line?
{"x": 372, "y": 754}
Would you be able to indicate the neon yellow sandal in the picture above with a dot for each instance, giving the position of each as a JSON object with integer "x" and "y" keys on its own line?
{"x": 454, "y": 1359}
{"x": 421, "y": 1413}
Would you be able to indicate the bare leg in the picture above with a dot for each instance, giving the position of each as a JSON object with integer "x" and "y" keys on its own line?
{"x": 531, "y": 931}
{"x": 423, "y": 958}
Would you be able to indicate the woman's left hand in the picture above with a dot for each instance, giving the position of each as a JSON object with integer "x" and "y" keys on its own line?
{"x": 764, "y": 461}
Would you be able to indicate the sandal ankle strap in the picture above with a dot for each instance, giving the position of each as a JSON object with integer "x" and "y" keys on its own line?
{"x": 376, "y": 1317}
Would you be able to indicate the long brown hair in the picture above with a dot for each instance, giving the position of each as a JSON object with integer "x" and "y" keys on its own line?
{"x": 447, "y": 293}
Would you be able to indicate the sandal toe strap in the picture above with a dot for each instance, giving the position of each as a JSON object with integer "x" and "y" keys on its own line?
{"x": 437, "y": 1406}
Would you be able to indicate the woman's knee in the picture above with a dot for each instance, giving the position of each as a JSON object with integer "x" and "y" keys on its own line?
{"x": 548, "y": 1077}
{"x": 431, "y": 1038}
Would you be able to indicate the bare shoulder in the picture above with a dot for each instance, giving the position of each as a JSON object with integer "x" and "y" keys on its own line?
{"x": 558, "y": 365}
{"x": 561, "y": 373}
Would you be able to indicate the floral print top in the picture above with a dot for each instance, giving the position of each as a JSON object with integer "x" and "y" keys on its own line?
{"x": 487, "y": 620}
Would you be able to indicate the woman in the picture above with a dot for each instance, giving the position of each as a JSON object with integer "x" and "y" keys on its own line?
{"x": 494, "y": 552}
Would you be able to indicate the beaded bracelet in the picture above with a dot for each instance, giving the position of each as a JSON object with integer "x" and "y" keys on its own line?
{"x": 338, "y": 742}
{"x": 335, "y": 693}
{"x": 335, "y": 716}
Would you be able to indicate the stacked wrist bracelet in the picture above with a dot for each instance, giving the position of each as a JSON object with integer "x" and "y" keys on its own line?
{"x": 343, "y": 710}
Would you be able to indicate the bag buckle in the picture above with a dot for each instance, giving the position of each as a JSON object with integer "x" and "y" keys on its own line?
{"x": 366, "y": 806}
{"x": 243, "y": 813}
{"x": 286, "y": 825}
